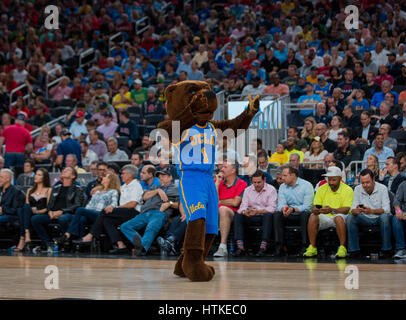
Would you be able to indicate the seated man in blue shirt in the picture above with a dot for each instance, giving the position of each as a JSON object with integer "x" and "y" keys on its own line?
{"x": 379, "y": 150}
{"x": 295, "y": 200}
{"x": 148, "y": 179}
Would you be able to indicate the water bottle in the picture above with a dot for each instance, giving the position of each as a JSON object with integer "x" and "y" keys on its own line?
{"x": 55, "y": 247}
{"x": 351, "y": 178}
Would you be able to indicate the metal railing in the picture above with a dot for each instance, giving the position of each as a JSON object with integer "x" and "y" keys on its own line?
{"x": 51, "y": 84}
{"x": 112, "y": 38}
{"x": 50, "y": 124}
{"x": 85, "y": 54}
{"x": 20, "y": 87}
{"x": 291, "y": 109}
{"x": 141, "y": 25}
{"x": 219, "y": 114}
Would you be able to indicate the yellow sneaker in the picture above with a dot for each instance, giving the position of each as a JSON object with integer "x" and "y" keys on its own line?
{"x": 341, "y": 252}
{"x": 310, "y": 252}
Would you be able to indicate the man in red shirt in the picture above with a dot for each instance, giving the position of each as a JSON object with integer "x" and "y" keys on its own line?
{"x": 230, "y": 189}
{"x": 18, "y": 140}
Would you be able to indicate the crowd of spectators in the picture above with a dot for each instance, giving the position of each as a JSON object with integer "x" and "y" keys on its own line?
{"x": 355, "y": 79}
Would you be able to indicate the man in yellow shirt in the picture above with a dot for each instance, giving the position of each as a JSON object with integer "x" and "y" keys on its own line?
{"x": 123, "y": 98}
{"x": 291, "y": 148}
{"x": 331, "y": 205}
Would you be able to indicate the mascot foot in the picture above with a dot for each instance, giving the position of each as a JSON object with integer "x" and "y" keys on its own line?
{"x": 207, "y": 246}
{"x": 193, "y": 252}
{"x": 178, "y": 271}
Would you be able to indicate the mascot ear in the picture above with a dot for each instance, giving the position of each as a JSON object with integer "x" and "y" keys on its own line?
{"x": 169, "y": 91}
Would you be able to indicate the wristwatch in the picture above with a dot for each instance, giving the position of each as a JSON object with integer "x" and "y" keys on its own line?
{"x": 171, "y": 203}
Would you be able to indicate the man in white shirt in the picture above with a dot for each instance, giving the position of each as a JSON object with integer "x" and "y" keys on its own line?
{"x": 379, "y": 55}
{"x": 370, "y": 207}
{"x": 20, "y": 74}
{"x": 78, "y": 127}
{"x": 88, "y": 156}
{"x": 114, "y": 153}
{"x": 255, "y": 88}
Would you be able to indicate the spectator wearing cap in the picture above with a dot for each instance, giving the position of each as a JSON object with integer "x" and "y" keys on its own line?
{"x": 276, "y": 87}
{"x": 310, "y": 97}
{"x": 164, "y": 165}
{"x": 256, "y": 71}
{"x": 17, "y": 140}
{"x": 108, "y": 128}
{"x": 258, "y": 205}
{"x": 67, "y": 146}
{"x": 139, "y": 93}
{"x": 256, "y": 87}
{"x": 322, "y": 87}
{"x": 371, "y": 207}
{"x": 127, "y": 128}
{"x": 103, "y": 106}
{"x": 123, "y": 98}
{"x": 195, "y": 73}
{"x": 78, "y": 127}
{"x": 61, "y": 90}
{"x": 114, "y": 154}
{"x": 159, "y": 205}
{"x": 331, "y": 205}
{"x": 41, "y": 117}
{"x": 152, "y": 105}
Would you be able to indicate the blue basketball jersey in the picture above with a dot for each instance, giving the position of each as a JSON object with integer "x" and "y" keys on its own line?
{"x": 196, "y": 150}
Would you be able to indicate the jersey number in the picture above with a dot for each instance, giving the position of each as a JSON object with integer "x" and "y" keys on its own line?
{"x": 205, "y": 158}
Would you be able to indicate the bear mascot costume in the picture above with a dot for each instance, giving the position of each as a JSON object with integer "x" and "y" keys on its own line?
{"x": 192, "y": 104}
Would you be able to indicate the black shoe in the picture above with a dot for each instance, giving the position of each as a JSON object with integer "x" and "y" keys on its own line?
{"x": 137, "y": 245}
{"x": 63, "y": 239}
{"x": 354, "y": 255}
{"x": 278, "y": 251}
{"x": 119, "y": 251}
{"x": 239, "y": 253}
{"x": 385, "y": 254}
{"x": 261, "y": 253}
{"x": 301, "y": 252}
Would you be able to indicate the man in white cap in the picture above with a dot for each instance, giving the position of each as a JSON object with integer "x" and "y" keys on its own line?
{"x": 331, "y": 204}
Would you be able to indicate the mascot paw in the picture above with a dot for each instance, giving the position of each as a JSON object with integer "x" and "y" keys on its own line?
{"x": 178, "y": 271}
{"x": 253, "y": 105}
{"x": 195, "y": 268}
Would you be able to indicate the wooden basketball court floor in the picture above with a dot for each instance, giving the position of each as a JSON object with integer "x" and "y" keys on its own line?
{"x": 24, "y": 277}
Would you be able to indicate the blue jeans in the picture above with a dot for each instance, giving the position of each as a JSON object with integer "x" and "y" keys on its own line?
{"x": 384, "y": 221}
{"x": 82, "y": 217}
{"x": 398, "y": 232}
{"x": 12, "y": 159}
{"x": 24, "y": 215}
{"x": 153, "y": 220}
{"x": 40, "y": 221}
{"x": 6, "y": 218}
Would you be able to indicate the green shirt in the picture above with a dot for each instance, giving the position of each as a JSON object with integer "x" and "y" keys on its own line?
{"x": 139, "y": 96}
{"x": 343, "y": 197}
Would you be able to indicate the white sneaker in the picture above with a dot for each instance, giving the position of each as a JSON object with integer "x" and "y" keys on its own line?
{"x": 221, "y": 252}
{"x": 400, "y": 254}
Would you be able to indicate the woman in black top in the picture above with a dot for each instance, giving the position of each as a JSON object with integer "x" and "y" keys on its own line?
{"x": 36, "y": 203}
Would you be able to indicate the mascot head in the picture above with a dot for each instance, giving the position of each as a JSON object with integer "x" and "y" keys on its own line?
{"x": 190, "y": 102}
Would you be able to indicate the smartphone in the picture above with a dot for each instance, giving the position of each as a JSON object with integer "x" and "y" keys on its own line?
{"x": 318, "y": 206}
{"x": 361, "y": 205}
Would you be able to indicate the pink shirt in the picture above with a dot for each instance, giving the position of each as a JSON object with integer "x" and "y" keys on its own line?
{"x": 58, "y": 93}
{"x": 267, "y": 199}
{"x": 281, "y": 89}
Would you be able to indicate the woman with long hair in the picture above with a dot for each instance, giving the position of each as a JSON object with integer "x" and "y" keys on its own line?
{"x": 20, "y": 106}
{"x": 372, "y": 164}
{"x": 106, "y": 196}
{"x": 36, "y": 202}
{"x": 43, "y": 146}
{"x": 116, "y": 83}
{"x": 316, "y": 153}
{"x": 336, "y": 128}
{"x": 309, "y": 130}
{"x": 335, "y": 76}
